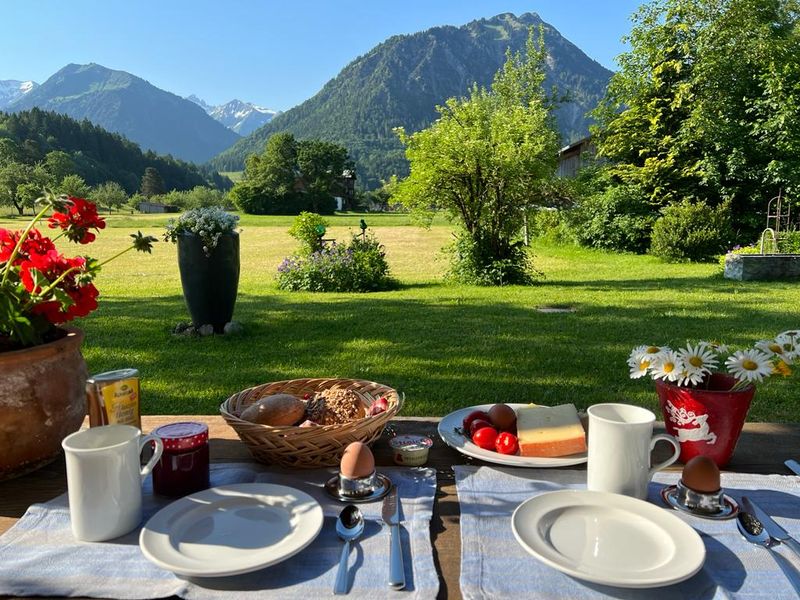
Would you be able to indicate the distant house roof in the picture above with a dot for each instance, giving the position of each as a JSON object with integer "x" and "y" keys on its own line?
{"x": 575, "y": 145}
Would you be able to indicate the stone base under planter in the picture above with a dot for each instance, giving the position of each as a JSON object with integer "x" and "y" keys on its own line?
{"x": 187, "y": 329}
{"x": 754, "y": 267}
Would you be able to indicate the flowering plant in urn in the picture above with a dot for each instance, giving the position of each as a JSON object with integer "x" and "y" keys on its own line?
{"x": 704, "y": 407}
{"x": 40, "y": 288}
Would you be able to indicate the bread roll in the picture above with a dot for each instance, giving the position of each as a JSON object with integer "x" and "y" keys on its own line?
{"x": 277, "y": 410}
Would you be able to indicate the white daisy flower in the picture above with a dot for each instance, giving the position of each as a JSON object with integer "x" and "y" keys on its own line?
{"x": 642, "y": 353}
{"x": 668, "y": 366}
{"x": 698, "y": 359}
{"x": 640, "y": 368}
{"x": 792, "y": 333}
{"x": 790, "y": 346}
{"x": 749, "y": 365}
{"x": 690, "y": 377}
{"x": 775, "y": 346}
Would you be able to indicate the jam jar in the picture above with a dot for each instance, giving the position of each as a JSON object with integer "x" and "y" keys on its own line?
{"x": 183, "y": 467}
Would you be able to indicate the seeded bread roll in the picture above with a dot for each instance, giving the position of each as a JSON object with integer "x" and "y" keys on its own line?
{"x": 277, "y": 410}
{"x": 335, "y": 407}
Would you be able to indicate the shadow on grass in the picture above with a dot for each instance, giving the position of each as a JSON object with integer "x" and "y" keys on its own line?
{"x": 443, "y": 351}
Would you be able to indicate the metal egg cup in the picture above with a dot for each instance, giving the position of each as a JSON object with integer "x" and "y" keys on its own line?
{"x": 358, "y": 489}
{"x": 707, "y": 505}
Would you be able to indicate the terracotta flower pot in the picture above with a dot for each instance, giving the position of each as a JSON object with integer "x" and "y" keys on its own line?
{"x": 42, "y": 400}
{"x": 706, "y": 422}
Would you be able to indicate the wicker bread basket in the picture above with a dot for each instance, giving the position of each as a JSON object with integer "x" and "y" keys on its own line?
{"x": 308, "y": 447}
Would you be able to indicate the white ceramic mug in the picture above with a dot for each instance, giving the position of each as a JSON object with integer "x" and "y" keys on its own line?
{"x": 104, "y": 480}
{"x": 620, "y": 441}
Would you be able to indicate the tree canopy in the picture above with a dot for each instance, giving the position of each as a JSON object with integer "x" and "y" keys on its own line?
{"x": 705, "y": 106}
{"x": 484, "y": 160}
{"x": 292, "y": 176}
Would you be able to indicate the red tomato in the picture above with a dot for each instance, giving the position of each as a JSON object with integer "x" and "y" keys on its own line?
{"x": 506, "y": 443}
{"x": 478, "y": 424}
{"x": 475, "y": 414}
{"x": 485, "y": 438}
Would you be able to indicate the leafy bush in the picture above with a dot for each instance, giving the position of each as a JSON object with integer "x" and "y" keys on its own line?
{"x": 475, "y": 262}
{"x": 617, "y": 218}
{"x": 306, "y": 230}
{"x": 789, "y": 242}
{"x": 689, "y": 231}
{"x": 356, "y": 267}
{"x": 551, "y": 225}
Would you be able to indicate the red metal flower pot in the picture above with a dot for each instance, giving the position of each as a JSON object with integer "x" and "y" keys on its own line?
{"x": 706, "y": 422}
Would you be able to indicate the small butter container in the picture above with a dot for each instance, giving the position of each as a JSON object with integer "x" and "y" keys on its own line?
{"x": 410, "y": 450}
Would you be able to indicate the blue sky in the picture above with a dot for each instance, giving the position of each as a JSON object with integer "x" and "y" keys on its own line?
{"x": 273, "y": 53}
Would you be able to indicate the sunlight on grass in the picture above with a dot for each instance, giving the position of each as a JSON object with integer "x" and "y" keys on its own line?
{"x": 445, "y": 346}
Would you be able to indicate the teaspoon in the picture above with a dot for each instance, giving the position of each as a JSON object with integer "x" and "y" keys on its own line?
{"x": 349, "y": 526}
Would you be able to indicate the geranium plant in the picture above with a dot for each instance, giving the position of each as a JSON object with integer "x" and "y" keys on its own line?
{"x": 693, "y": 365}
{"x": 40, "y": 288}
{"x": 207, "y": 222}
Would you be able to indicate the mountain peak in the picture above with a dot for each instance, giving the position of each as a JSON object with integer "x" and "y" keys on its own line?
{"x": 401, "y": 81}
{"x": 129, "y": 105}
{"x": 12, "y": 90}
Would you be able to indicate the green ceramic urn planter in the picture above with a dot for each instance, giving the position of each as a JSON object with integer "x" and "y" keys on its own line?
{"x": 210, "y": 283}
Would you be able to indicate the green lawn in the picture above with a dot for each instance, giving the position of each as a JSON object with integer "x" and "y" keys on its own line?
{"x": 444, "y": 346}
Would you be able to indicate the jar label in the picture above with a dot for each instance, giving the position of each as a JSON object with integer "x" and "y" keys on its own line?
{"x": 121, "y": 399}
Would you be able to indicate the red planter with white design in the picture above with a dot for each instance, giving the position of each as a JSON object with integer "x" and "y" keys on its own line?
{"x": 706, "y": 422}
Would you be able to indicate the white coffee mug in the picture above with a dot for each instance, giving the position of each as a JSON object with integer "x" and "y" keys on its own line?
{"x": 620, "y": 441}
{"x": 104, "y": 480}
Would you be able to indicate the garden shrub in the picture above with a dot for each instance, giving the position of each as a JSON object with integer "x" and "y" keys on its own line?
{"x": 691, "y": 231}
{"x": 618, "y": 218}
{"x": 789, "y": 242}
{"x": 475, "y": 262}
{"x": 551, "y": 225}
{"x": 359, "y": 266}
{"x": 306, "y": 230}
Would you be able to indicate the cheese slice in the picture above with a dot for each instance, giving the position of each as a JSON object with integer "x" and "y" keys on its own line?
{"x": 550, "y": 431}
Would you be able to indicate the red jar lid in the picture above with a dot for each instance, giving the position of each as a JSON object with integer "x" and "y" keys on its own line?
{"x": 185, "y": 435}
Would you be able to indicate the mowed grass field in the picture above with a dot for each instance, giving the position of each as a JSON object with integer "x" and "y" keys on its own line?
{"x": 445, "y": 346}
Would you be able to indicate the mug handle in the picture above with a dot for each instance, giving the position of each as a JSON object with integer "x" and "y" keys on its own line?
{"x": 157, "y": 451}
{"x": 676, "y": 446}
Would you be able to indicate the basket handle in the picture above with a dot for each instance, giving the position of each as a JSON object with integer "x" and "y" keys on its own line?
{"x": 401, "y": 398}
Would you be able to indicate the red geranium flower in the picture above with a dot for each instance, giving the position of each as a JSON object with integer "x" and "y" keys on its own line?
{"x": 78, "y": 220}
{"x": 35, "y": 243}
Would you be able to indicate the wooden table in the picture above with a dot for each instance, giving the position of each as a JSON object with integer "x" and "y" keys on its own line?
{"x": 762, "y": 449}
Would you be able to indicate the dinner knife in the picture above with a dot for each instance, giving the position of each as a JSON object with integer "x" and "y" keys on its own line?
{"x": 793, "y": 466}
{"x": 391, "y": 516}
{"x": 775, "y": 530}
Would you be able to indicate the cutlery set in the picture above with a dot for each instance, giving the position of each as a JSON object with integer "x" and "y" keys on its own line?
{"x": 350, "y": 526}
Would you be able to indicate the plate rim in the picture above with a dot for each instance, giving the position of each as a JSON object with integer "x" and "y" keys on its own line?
{"x": 471, "y": 450}
{"x": 606, "y": 499}
{"x": 243, "y": 490}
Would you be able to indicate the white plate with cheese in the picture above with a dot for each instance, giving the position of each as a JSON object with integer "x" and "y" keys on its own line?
{"x": 451, "y": 434}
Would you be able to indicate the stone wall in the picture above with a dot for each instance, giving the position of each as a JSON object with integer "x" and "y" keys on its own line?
{"x": 757, "y": 267}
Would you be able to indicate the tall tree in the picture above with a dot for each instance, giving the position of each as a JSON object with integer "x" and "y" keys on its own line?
{"x": 74, "y": 185}
{"x": 484, "y": 161}
{"x": 152, "y": 183}
{"x": 704, "y": 106}
{"x": 109, "y": 194}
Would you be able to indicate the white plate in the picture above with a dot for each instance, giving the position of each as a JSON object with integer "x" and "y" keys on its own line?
{"x": 608, "y": 539}
{"x": 231, "y": 529}
{"x": 448, "y": 433}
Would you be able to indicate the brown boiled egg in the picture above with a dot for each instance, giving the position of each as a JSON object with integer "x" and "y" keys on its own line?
{"x": 701, "y": 474}
{"x": 357, "y": 461}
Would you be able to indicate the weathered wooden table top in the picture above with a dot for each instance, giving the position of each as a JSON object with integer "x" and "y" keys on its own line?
{"x": 762, "y": 449}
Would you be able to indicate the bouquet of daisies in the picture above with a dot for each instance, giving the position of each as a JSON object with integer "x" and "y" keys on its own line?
{"x": 693, "y": 365}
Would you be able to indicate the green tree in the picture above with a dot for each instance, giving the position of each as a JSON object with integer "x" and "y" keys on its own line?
{"x": 13, "y": 177}
{"x": 109, "y": 194}
{"x": 291, "y": 176}
{"x": 152, "y": 183}
{"x": 73, "y": 185}
{"x": 321, "y": 165}
{"x": 705, "y": 105}
{"x": 484, "y": 161}
{"x": 58, "y": 164}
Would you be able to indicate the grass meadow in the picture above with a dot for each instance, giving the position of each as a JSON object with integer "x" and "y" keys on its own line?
{"x": 445, "y": 346}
